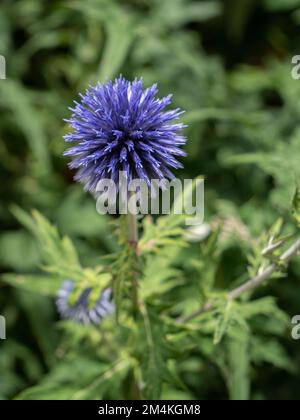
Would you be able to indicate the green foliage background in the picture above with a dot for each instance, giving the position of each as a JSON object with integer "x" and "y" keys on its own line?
{"x": 228, "y": 64}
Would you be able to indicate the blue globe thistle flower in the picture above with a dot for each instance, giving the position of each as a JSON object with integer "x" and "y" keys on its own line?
{"x": 81, "y": 312}
{"x": 119, "y": 126}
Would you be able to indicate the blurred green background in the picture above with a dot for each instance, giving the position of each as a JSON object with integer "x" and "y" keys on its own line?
{"x": 228, "y": 64}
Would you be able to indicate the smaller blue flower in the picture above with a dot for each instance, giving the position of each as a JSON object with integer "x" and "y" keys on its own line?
{"x": 81, "y": 312}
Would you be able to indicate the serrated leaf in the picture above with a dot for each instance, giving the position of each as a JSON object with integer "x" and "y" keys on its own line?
{"x": 269, "y": 350}
{"x": 296, "y": 206}
{"x": 118, "y": 42}
{"x": 38, "y": 283}
{"x": 17, "y": 99}
{"x": 75, "y": 378}
{"x": 239, "y": 365}
{"x": 18, "y": 251}
{"x": 265, "y": 306}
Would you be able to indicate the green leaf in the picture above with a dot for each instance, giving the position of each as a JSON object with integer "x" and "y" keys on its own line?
{"x": 158, "y": 277}
{"x": 230, "y": 316}
{"x": 154, "y": 361}
{"x": 18, "y": 251}
{"x": 266, "y": 306}
{"x": 296, "y": 206}
{"x": 281, "y": 5}
{"x": 15, "y": 97}
{"x": 269, "y": 350}
{"x": 223, "y": 322}
{"x": 59, "y": 255}
{"x": 77, "y": 378}
{"x": 176, "y": 13}
{"x": 118, "y": 42}
{"x": 41, "y": 325}
{"x": 77, "y": 215}
{"x": 239, "y": 365}
{"x": 37, "y": 283}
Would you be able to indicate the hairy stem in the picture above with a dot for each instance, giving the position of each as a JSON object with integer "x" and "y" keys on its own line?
{"x": 133, "y": 241}
{"x": 248, "y": 285}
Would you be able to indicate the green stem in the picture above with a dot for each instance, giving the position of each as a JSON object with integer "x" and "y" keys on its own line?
{"x": 248, "y": 285}
{"x": 133, "y": 241}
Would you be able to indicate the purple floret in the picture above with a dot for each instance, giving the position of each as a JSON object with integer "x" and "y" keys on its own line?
{"x": 81, "y": 312}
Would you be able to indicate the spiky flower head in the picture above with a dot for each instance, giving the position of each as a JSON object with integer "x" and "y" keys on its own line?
{"x": 119, "y": 126}
{"x": 81, "y": 311}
